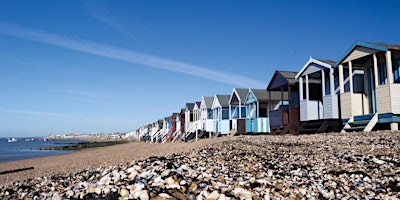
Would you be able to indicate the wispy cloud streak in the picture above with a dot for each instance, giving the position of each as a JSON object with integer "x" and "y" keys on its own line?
{"x": 31, "y": 112}
{"x": 128, "y": 56}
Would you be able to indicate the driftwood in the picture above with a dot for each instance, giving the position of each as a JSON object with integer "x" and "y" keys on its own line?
{"x": 16, "y": 170}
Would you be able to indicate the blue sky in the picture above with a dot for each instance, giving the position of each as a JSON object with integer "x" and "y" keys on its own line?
{"x": 108, "y": 66}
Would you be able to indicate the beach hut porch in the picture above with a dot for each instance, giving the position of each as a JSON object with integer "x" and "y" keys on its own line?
{"x": 319, "y": 108}
{"x": 373, "y": 100}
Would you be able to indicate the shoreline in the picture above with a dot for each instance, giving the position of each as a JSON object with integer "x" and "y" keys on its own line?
{"x": 362, "y": 165}
{"x": 92, "y": 157}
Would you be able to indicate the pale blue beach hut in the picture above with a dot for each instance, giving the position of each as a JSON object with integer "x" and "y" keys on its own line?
{"x": 220, "y": 109}
{"x": 257, "y": 109}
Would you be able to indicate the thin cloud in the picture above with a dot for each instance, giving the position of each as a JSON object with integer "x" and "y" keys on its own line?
{"x": 31, "y": 112}
{"x": 129, "y": 56}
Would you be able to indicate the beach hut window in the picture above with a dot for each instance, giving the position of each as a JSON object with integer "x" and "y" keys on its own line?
{"x": 382, "y": 74}
{"x": 346, "y": 80}
{"x": 396, "y": 71}
{"x": 209, "y": 114}
{"x": 225, "y": 114}
{"x": 243, "y": 112}
{"x": 235, "y": 113}
{"x": 327, "y": 83}
{"x": 252, "y": 111}
{"x": 358, "y": 83}
{"x": 263, "y": 112}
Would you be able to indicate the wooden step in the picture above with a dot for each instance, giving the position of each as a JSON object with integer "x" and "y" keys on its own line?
{"x": 307, "y": 130}
{"x": 359, "y": 122}
{"x": 356, "y": 128}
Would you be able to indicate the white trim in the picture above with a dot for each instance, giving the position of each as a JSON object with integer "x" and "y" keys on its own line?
{"x": 312, "y": 60}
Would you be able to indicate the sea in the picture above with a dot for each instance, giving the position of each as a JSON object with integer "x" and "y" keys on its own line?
{"x": 12, "y": 149}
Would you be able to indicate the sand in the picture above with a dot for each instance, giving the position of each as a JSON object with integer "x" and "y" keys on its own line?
{"x": 94, "y": 157}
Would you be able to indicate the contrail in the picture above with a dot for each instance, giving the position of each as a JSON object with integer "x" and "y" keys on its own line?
{"x": 128, "y": 56}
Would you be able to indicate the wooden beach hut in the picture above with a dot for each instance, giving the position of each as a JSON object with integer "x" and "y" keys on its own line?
{"x": 173, "y": 130}
{"x": 257, "y": 109}
{"x": 286, "y": 119}
{"x": 371, "y": 100}
{"x": 237, "y": 111}
{"x": 319, "y": 108}
{"x": 189, "y": 117}
{"x": 197, "y": 115}
{"x": 220, "y": 109}
{"x": 183, "y": 120}
{"x": 158, "y": 134}
{"x": 207, "y": 123}
{"x": 176, "y": 119}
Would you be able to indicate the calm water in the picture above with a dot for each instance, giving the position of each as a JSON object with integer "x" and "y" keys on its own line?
{"x": 21, "y": 149}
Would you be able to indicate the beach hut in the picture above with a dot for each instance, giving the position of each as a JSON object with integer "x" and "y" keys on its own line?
{"x": 207, "y": 123}
{"x": 189, "y": 117}
{"x": 172, "y": 130}
{"x": 286, "y": 118}
{"x": 167, "y": 128}
{"x": 257, "y": 109}
{"x": 220, "y": 109}
{"x": 177, "y": 121}
{"x": 197, "y": 114}
{"x": 319, "y": 108}
{"x": 237, "y": 110}
{"x": 370, "y": 100}
{"x": 157, "y": 130}
{"x": 183, "y": 120}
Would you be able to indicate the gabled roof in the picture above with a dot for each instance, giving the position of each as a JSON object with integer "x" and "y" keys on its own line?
{"x": 189, "y": 106}
{"x": 221, "y": 100}
{"x": 323, "y": 63}
{"x": 240, "y": 94}
{"x": 282, "y": 78}
{"x": 206, "y": 102}
{"x": 262, "y": 95}
{"x": 368, "y": 46}
{"x": 197, "y": 105}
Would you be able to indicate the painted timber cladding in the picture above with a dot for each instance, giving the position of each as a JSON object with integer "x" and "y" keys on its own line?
{"x": 313, "y": 68}
{"x": 396, "y": 98}
{"x": 220, "y": 109}
{"x": 237, "y": 110}
{"x": 206, "y": 114}
{"x": 311, "y": 110}
{"x": 331, "y": 106}
{"x": 384, "y": 99}
{"x": 359, "y": 52}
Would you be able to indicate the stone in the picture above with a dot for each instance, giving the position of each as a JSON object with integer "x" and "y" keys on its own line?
{"x": 213, "y": 196}
{"x": 124, "y": 192}
{"x": 144, "y": 195}
{"x": 170, "y": 181}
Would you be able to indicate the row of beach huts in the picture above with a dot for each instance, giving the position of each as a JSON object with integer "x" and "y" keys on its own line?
{"x": 359, "y": 92}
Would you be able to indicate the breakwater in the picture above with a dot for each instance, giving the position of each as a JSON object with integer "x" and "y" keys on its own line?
{"x": 80, "y": 145}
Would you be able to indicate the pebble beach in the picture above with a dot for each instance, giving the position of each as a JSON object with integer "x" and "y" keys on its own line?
{"x": 320, "y": 166}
